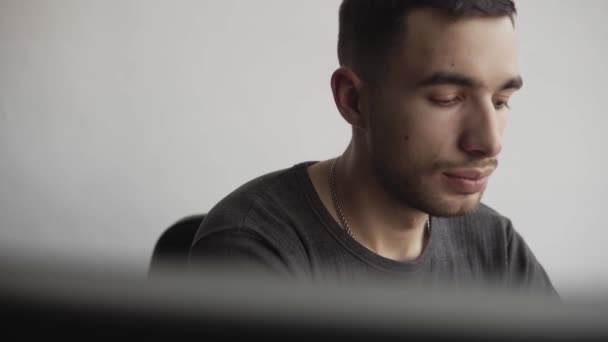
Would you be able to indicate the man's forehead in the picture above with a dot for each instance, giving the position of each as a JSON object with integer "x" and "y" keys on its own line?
{"x": 483, "y": 49}
{"x": 427, "y": 20}
{"x": 432, "y": 33}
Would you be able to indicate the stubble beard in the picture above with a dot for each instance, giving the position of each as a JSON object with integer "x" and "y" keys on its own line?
{"x": 408, "y": 189}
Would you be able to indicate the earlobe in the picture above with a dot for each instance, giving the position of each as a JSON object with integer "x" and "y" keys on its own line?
{"x": 346, "y": 87}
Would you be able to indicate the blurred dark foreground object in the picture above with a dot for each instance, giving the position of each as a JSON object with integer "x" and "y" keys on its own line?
{"x": 65, "y": 302}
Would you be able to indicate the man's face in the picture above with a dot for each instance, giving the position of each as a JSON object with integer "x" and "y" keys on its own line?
{"x": 437, "y": 118}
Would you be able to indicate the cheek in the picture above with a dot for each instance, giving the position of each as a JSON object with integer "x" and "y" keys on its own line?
{"x": 433, "y": 135}
{"x": 412, "y": 135}
{"x": 502, "y": 124}
{"x": 422, "y": 151}
{"x": 391, "y": 127}
{"x": 413, "y": 150}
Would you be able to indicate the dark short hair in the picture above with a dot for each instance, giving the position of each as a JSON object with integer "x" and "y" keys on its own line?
{"x": 369, "y": 27}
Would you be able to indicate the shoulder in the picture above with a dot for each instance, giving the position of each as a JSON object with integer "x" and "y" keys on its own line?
{"x": 489, "y": 239}
{"x": 251, "y": 225}
{"x": 261, "y": 199}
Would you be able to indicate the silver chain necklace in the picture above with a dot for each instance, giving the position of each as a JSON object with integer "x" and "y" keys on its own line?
{"x": 334, "y": 197}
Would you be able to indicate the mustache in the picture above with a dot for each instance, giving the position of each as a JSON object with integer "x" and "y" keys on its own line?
{"x": 468, "y": 164}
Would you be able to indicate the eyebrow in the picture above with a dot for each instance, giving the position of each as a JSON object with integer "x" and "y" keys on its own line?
{"x": 443, "y": 77}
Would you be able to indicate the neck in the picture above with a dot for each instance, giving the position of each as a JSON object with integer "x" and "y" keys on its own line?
{"x": 376, "y": 219}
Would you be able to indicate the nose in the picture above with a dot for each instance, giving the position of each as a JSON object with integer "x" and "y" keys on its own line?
{"x": 482, "y": 133}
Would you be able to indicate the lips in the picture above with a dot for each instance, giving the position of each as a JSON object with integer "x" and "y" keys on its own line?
{"x": 472, "y": 174}
{"x": 468, "y": 181}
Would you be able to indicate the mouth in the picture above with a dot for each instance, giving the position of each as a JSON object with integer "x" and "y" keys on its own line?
{"x": 468, "y": 181}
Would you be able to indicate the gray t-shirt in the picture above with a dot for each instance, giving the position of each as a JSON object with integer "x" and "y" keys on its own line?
{"x": 277, "y": 222}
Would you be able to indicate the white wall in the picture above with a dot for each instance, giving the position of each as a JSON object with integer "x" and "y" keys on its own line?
{"x": 119, "y": 117}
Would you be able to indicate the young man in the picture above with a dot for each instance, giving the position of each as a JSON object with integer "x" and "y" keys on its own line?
{"x": 425, "y": 87}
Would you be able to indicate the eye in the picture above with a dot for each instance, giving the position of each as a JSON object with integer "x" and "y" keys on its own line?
{"x": 500, "y": 104}
{"x": 444, "y": 102}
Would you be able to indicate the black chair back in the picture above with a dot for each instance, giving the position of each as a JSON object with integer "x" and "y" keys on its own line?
{"x": 173, "y": 246}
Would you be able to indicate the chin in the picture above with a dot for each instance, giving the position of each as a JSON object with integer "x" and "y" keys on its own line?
{"x": 434, "y": 199}
{"x": 454, "y": 206}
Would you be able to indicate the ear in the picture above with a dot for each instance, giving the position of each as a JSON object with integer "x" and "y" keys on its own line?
{"x": 347, "y": 88}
